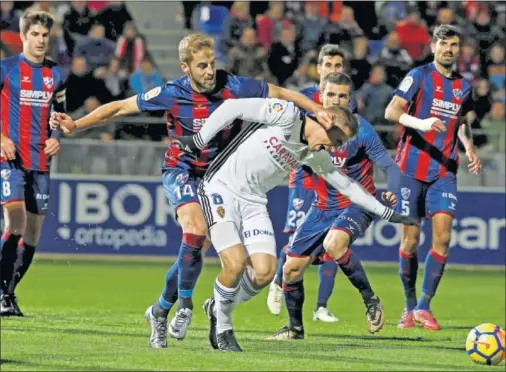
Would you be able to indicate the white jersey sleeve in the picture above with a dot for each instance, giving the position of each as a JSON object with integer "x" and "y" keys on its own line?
{"x": 321, "y": 163}
{"x": 269, "y": 111}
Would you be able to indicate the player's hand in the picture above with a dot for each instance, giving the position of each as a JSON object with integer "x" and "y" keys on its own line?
{"x": 405, "y": 220}
{"x": 390, "y": 198}
{"x": 8, "y": 149}
{"x": 63, "y": 121}
{"x": 474, "y": 161}
{"x": 187, "y": 144}
{"x": 434, "y": 124}
{"x": 325, "y": 118}
{"x": 52, "y": 147}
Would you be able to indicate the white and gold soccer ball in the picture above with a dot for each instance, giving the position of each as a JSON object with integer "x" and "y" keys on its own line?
{"x": 485, "y": 344}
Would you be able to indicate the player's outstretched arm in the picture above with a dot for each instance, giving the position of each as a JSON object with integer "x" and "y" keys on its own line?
{"x": 99, "y": 116}
{"x": 321, "y": 163}
{"x": 324, "y": 117}
{"x": 253, "y": 110}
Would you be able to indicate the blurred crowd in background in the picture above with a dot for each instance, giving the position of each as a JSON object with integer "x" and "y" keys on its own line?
{"x": 107, "y": 58}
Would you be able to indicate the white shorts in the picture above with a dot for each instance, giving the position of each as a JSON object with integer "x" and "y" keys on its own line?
{"x": 232, "y": 221}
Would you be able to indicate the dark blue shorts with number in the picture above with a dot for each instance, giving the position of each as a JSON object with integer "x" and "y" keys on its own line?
{"x": 419, "y": 199}
{"x": 308, "y": 238}
{"x": 180, "y": 187}
{"x": 30, "y": 186}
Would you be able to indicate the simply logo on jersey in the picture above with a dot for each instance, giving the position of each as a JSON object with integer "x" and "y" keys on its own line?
{"x": 445, "y": 108}
{"x": 35, "y": 97}
{"x": 113, "y": 215}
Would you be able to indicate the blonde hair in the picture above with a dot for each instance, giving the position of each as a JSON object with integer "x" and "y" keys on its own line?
{"x": 38, "y": 17}
{"x": 192, "y": 44}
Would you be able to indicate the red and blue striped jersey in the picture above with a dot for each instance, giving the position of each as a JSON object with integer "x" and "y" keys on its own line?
{"x": 427, "y": 156}
{"x": 300, "y": 177}
{"x": 188, "y": 110}
{"x": 355, "y": 158}
{"x": 29, "y": 91}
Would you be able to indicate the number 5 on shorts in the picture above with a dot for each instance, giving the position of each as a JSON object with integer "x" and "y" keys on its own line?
{"x": 405, "y": 207}
{"x": 6, "y": 189}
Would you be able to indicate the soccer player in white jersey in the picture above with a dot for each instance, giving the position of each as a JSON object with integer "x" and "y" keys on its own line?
{"x": 233, "y": 194}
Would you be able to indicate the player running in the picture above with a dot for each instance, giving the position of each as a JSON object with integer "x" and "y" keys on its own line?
{"x": 233, "y": 193}
{"x": 300, "y": 197}
{"x": 333, "y": 223}
{"x": 188, "y": 101}
{"x": 435, "y": 106}
{"x": 30, "y": 86}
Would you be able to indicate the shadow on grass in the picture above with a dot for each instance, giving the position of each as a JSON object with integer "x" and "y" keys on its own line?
{"x": 77, "y": 331}
{"x": 66, "y": 367}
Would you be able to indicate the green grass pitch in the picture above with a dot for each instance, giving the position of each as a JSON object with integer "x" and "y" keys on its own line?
{"x": 88, "y": 315}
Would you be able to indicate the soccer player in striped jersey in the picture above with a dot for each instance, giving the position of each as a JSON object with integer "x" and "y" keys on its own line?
{"x": 31, "y": 86}
{"x": 434, "y": 105}
{"x": 333, "y": 223}
{"x": 300, "y": 197}
{"x": 188, "y": 101}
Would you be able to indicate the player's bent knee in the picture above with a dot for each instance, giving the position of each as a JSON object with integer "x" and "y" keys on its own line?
{"x": 336, "y": 243}
{"x": 293, "y": 269}
{"x": 264, "y": 273}
{"x": 233, "y": 260}
{"x": 192, "y": 220}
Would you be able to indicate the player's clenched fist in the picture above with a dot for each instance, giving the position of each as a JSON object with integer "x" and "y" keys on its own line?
{"x": 390, "y": 198}
{"x": 8, "y": 148}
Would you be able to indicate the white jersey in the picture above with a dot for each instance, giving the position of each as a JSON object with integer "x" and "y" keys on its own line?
{"x": 270, "y": 145}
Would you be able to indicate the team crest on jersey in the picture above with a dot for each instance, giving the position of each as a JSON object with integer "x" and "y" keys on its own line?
{"x": 405, "y": 192}
{"x": 406, "y": 84}
{"x": 152, "y": 93}
{"x": 181, "y": 178}
{"x": 297, "y": 203}
{"x": 457, "y": 93}
{"x": 5, "y": 174}
{"x": 48, "y": 82}
{"x": 221, "y": 211}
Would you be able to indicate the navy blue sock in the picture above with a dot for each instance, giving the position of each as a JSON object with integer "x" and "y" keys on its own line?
{"x": 432, "y": 274}
{"x": 168, "y": 297}
{"x": 327, "y": 274}
{"x": 294, "y": 300}
{"x": 9, "y": 243}
{"x": 190, "y": 266}
{"x": 23, "y": 262}
{"x": 278, "y": 279}
{"x": 352, "y": 268}
{"x": 408, "y": 269}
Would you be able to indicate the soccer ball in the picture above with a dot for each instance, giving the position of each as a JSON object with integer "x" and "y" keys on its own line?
{"x": 485, "y": 344}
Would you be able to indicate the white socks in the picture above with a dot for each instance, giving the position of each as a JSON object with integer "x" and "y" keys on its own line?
{"x": 225, "y": 303}
{"x": 246, "y": 289}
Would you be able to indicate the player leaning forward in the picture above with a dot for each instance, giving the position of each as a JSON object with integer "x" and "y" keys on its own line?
{"x": 233, "y": 194}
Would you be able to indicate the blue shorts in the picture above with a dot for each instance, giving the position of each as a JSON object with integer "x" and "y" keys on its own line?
{"x": 309, "y": 237}
{"x": 180, "y": 187}
{"x": 30, "y": 186}
{"x": 419, "y": 199}
{"x": 299, "y": 203}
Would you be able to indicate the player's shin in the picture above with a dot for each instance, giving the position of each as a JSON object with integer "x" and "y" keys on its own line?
{"x": 433, "y": 272}
{"x": 352, "y": 267}
{"x": 278, "y": 279}
{"x": 294, "y": 300}
{"x": 327, "y": 276}
{"x": 225, "y": 303}
{"x": 408, "y": 268}
{"x": 9, "y": 243}
{"x": 24, "y": 260}
{"x": 190, "y": 266}
{"x": 168, "y": 297}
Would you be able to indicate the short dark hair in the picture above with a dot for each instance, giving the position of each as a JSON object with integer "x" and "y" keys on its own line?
{"x": 330, "y": 50}
{"x": 31, "y": 18}
{"x": 337, "y": 78}
{"x": 343, "y": 116}
{"x": 443, "y": 32}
